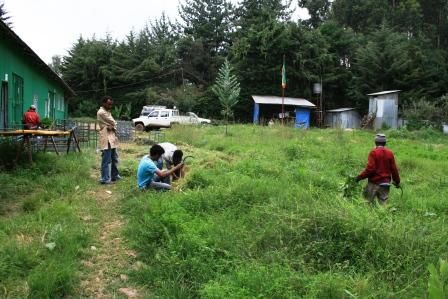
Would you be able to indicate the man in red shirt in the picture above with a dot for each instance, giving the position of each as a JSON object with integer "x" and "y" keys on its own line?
{"x": 379, "y": 170}
{"x": 31, "y": 119}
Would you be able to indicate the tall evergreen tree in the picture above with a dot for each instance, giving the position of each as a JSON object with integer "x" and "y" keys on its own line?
{"x": 317, "y": 9}
{"x": 207, "y": 27}
{"x": 4, "y": 15}
{"x": 227, "y": 89}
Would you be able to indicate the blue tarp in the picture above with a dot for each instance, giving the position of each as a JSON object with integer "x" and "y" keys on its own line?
{"x": 302, "y": 118}
{"x": 256, "y": 113}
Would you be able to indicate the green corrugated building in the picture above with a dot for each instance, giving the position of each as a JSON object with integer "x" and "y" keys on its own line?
{"x": 26, "y": 80}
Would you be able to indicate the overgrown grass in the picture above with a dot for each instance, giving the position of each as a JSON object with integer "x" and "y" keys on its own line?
{"x": 42, "y": 237}
{"x": 261, "y": 214}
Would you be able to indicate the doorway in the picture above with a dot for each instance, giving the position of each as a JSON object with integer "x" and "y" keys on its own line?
{"x": 17, "y": 100}
{"x": 4, "y": 105}
{"x": 51, "y": 99}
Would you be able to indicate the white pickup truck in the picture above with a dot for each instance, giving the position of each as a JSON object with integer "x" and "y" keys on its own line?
{"x": 165, "y": 118}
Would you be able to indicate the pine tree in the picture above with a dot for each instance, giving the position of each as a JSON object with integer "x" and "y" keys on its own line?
{"x": 4, "y": 15}
{"x": 317, "y": 9}
{"x": 227, "y": 89}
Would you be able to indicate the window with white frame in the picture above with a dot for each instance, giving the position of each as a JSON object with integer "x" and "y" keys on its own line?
{"x": 47, "y": 107}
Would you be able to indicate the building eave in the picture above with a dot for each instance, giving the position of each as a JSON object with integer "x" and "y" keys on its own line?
{"x": 34, "y": 57}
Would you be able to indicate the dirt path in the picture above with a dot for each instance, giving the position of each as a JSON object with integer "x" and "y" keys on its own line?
{"x": 104, "y": 271}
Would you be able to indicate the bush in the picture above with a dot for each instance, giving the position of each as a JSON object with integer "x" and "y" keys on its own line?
{"x": 8, "y": 153}
{"x": 425, "y": 114}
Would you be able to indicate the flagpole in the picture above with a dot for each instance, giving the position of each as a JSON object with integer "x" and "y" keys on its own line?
{"x": 283, "y": 92}
{"x": 283, "y": 105}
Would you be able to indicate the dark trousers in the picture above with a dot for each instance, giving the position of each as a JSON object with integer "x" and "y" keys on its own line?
{"x": 109, "y": 162}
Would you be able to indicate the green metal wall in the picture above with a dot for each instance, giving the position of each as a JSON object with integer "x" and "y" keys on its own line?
{"x": 38, "y": 87}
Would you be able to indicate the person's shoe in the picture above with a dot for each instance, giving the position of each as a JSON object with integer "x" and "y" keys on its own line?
{"x": 105, "y": 182}
{"x": 117, "y": 178}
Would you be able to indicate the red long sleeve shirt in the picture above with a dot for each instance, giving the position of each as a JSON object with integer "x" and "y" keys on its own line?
{"x": 31, "y": 118}
{"x": 380, "y": 167}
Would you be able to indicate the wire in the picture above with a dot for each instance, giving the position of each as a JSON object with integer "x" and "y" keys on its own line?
{"x": 130, "y": 84}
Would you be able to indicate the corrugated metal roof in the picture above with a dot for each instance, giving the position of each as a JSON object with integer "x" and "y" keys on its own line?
{"x": 27, "y": 50}
{"x": 340, "y": 110}
{"x": 383, "y": 92}
{"x": 287, "y": 101}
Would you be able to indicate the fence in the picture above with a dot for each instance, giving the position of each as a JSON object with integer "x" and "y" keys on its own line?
{"x": 86, "y": 133}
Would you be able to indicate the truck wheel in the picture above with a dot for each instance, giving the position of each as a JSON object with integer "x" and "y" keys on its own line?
{"x": 139, "y": 127}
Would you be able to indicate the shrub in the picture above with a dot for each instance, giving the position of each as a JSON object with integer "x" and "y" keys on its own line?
{"x": 438, "y": 280}
{"x": 8, "y": 153}
{"x": 426, "y": 114}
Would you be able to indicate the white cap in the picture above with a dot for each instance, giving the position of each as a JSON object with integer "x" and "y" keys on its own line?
{"x": 380, "y": 138}
{"x": 33, "y": 107}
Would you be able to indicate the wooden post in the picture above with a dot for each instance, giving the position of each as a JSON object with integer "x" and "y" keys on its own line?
{"x": 54, "y": 145}
{"x": 69, "y": 141}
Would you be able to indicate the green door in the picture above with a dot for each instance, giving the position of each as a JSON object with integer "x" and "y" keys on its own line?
{"x": 4, "y": 105}
{"x": 17, "y": 100}
{"x": 51, "y": 98}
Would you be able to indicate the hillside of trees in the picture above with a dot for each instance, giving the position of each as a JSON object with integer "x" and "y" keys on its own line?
{"x": 356, "y": 47}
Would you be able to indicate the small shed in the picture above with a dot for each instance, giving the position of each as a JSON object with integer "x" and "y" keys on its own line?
{"x": 384, "y": 106}
{"x": 343, "y": 118}
{"x": 269, "y": 105}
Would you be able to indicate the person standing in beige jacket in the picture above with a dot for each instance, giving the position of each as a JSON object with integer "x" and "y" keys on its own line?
{"x": 108, "y": 142}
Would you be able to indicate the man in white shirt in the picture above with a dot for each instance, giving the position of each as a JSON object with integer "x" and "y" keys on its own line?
{"x": 108, "y": 142}
{"x": 171, "y": 157}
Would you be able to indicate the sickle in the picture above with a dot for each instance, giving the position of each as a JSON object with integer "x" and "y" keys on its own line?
{"x": 185, "y": 159}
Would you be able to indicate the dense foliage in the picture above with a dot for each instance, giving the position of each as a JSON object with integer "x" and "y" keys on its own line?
{"x": 356, "y": 47}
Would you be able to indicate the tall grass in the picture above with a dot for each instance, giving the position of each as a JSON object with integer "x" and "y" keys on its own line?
{"x": 261, "y": 214}
{"x": 42, "y": 237}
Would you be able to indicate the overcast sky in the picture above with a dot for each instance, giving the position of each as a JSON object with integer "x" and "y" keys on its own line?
{"x": 50, "y": 27}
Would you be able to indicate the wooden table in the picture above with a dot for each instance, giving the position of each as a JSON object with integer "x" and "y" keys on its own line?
{"x": 44, "y": 133}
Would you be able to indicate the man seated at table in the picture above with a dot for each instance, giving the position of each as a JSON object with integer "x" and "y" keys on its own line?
{"x": 151, "y": 177}
{"x": 31, "y": 120}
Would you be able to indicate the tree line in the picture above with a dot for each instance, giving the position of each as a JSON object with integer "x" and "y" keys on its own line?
{"x": 354, "y": 47}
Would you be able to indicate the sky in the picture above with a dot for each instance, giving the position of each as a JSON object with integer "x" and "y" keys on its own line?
{"x": 51, "y": 27}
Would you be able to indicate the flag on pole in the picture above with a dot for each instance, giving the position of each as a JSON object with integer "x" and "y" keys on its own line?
{"x": 283, "y": 74}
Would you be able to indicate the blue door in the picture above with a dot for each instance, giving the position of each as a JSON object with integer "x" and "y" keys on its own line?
{"x": 302, "y": 118}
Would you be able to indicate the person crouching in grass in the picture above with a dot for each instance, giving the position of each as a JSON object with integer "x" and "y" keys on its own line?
{"x": 171, "y": 157}
{"x": 379, "y": 170}
{"x": 151, "y": 177}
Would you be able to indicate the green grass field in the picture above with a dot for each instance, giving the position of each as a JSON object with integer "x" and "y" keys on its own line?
{"x": 259, "y": 215}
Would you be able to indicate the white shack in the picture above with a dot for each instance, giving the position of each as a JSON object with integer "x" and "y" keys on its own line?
{"x": 384, "y": 105}
{"x": 343, "y": 118}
